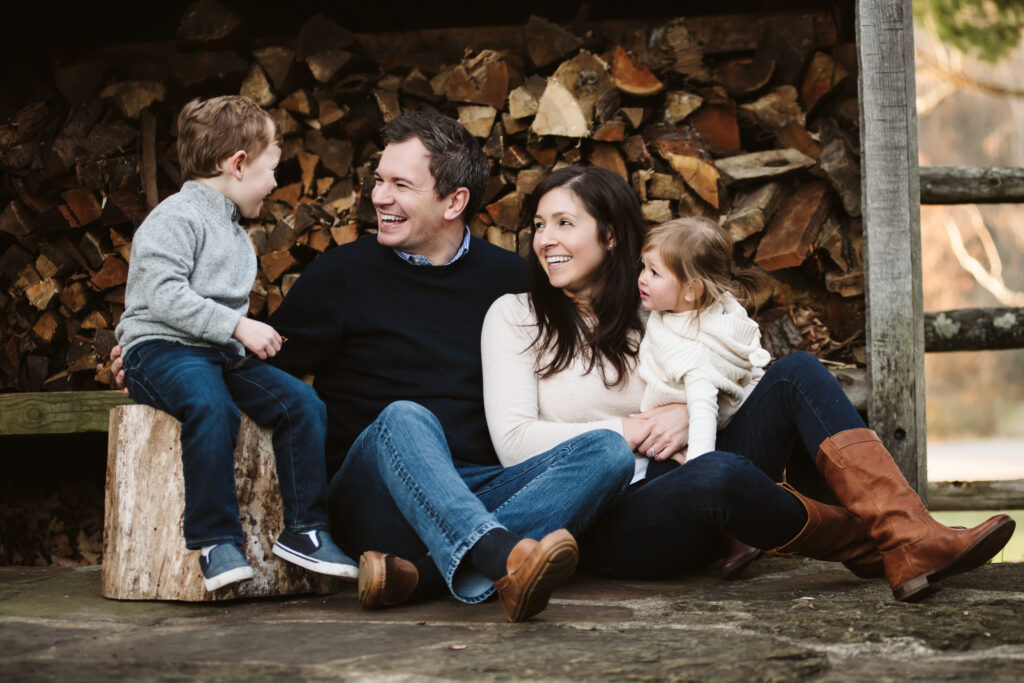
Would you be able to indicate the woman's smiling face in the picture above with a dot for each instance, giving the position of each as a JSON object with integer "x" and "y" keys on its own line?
{"x": 567, "y": 244}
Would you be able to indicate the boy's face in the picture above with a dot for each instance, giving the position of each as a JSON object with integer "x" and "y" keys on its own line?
{"x": 257, "y": 179}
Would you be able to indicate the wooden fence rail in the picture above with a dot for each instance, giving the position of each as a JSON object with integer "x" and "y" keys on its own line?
{"x": 971, "y": 185}
{"x": 974, "y": 329}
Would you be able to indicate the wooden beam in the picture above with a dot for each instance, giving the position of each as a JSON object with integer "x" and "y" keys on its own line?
{"x": 974, "y": 329}
{"x": 58, "y": 412}
{"x": 431, "y": 49}
{"x": 890, "y": 204}
{"x": 971, "y": 185}
{"x": 976, "y": 495}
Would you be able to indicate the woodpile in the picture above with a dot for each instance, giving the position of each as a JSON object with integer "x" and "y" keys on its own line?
{"x": 751, "y": 120}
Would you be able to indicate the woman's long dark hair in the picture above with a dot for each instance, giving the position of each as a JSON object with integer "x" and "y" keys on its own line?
{"x": 615, "y": 302}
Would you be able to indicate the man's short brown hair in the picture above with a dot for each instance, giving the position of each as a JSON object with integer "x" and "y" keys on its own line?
{"x": 209, "y": 131}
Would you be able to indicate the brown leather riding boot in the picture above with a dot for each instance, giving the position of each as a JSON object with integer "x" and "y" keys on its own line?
{"x": 834, "y": 534}
{"x": 918, "y": 551}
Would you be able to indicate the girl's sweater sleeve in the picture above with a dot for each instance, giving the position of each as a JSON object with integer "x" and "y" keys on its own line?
{"x": 702, "y": 399}
{"x": 510, "y": 388}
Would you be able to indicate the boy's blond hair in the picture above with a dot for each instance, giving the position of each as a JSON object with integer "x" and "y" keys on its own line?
{"x": 209, "y": 131}
{"x": 697, "y": 248}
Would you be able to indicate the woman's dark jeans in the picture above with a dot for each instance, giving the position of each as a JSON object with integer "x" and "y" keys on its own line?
{"x": 672, "y": 521}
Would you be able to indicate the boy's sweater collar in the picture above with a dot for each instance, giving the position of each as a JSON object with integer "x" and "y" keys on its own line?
{"x": 210, "y": 199}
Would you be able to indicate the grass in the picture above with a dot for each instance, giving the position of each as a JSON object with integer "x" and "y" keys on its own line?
{"x": 1014, "y": 550}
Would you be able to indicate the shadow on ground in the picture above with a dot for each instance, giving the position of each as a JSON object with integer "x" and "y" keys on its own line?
{"x": 791, "y": 620}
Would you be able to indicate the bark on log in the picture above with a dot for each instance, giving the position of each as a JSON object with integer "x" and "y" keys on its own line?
{"x": 144, "y": 553}
{"x": 974, "y": 329}
{"x": 971, "y": 185}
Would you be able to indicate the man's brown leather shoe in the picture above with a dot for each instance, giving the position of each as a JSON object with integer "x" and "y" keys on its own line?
{"x": 385, "y": 580}
{"x": 534, "y": 569}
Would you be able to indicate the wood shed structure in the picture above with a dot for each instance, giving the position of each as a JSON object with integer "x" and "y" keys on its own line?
{"x": 671, "y": 102}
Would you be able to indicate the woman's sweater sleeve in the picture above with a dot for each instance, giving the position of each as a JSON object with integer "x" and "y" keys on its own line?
{"x": 510, "y": 388}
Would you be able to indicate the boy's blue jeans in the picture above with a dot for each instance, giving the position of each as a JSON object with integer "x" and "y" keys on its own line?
{"x": 200, "y": 386}
{"x": 399, "y": 492}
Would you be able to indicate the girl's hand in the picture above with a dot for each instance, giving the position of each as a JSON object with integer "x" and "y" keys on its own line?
{"x": 667, "y": 432}
{"x": 260, "y": 338}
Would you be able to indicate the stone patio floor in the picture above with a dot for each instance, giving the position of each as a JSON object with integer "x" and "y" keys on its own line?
{"x": 790, "y": 620}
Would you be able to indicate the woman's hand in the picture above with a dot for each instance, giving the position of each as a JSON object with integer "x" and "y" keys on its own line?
{"x": 663, "y": 433}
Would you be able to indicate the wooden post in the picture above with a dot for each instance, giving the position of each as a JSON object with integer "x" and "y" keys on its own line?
{"x": 144, "y": 553}
{"x": 892, "y": 232}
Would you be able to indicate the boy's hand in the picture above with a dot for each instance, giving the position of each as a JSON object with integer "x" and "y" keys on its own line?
{"x": 260, "y": 338}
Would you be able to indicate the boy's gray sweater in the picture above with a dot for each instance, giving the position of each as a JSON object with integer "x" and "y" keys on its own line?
{"x": 192, "y": 267}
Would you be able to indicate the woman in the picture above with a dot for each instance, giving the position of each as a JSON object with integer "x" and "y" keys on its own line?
{"x": 559, "y": 361}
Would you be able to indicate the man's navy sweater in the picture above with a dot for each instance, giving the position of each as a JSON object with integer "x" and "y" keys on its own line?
{"x": 375, "y": 329}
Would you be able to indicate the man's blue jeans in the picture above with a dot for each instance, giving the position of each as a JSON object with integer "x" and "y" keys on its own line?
{"x": 398, "y": 491}
{"x": 200, "y": 386}
{"x": 672, "y": 521}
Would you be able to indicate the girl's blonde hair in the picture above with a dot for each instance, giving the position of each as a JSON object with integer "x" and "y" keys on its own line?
{"x": 697, "y": 248}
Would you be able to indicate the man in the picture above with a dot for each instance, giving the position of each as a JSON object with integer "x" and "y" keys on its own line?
{"x": 390, "y": 327}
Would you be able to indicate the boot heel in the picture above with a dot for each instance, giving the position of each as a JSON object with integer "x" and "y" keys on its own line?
{"x": 916, "y": 589}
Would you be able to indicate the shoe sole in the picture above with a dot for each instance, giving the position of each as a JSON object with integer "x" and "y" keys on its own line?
{"x": 734, "y": 570}
{"x": 558, "y": 566}
{"x": 230, "y": 576}
{"x": 980, "y": 552}
{"x": 342, "y": 571}
{"x": 367, "y": 564}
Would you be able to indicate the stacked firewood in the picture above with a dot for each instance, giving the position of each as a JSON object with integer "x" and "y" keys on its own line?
{"x": 750, "y": 121}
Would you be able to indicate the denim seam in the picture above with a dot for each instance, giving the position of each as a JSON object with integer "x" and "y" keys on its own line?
{"x": 460, "y": 547}
{"x": 286, "y": 416}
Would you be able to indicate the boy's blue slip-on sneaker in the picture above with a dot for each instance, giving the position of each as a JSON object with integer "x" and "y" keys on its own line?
{"x": 222, "y": 564}
{"x": 315, "y": 551}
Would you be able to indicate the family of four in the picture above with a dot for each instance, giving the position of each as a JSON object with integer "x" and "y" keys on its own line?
{"x": 478, "y": 425}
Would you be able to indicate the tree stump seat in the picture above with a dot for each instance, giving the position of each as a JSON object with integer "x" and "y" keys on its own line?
{"x": 144, "y": 553}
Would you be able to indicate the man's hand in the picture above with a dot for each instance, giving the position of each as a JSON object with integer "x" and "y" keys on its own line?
{"x": 260, "y": 338}
{"x": 664, "y": 434}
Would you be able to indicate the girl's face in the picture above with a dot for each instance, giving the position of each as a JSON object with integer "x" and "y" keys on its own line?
{"x": 567, "y": 245}
{"x": 660, "y": 290}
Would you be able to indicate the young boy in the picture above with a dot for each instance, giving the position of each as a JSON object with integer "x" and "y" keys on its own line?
{"x": 184, "y": 333}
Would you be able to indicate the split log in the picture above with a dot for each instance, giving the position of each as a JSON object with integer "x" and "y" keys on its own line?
{"x": 716, "y": 123}
{"x": 971, "y": 185}
{"x": 823, "y": 75}
{"x": 547, "y": 42}
{"x": 144, "y": 554}
{"x": 842, "y": 169}
{"x": 277, "y": 63}
{"x": 974, "y": 329}
{"x": 578, "y": 90}
{"x": 745, "y": 76}
{"x": 765, "y": 164}
{"x": 752, "y": 211}
{"x": 631, "y": 77}
{"x": 478, "y": 120}
{"x": 524, "y": 100}
{"x": 790, "y": 236}
{"x": 483, "y": 79}
{"x": 693, "y": 164}
{"x": 607, "y": 155}
{"x": 207, "y": 23}
{"x": 257, "y": 88}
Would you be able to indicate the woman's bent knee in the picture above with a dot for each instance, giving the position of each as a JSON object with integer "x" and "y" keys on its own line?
{"x": 610, "y": 449}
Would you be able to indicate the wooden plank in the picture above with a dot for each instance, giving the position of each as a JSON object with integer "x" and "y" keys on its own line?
{"x": 431, "y": 49}
{"x": 976, "y": 495}
{"x": 890, "y": 204}
{"x": 58, "y": 412}
{"x": 974, "y": 329}
{"x": 971, "y": 185}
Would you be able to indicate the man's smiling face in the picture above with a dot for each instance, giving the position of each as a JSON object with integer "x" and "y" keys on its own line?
{"x": 410, "y": 215}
